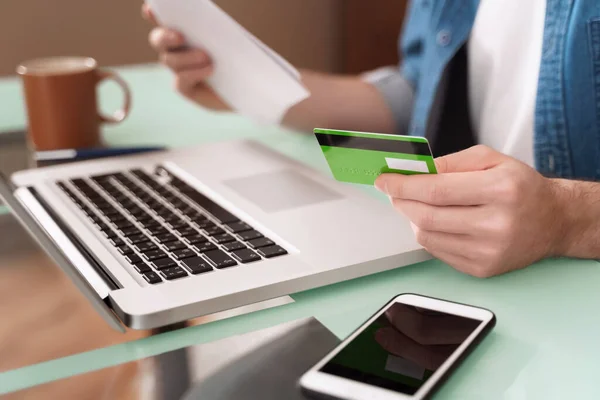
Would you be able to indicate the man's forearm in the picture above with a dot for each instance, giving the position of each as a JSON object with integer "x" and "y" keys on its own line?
{"x": 579, "y": 209}
{"x": 340, "y": 102}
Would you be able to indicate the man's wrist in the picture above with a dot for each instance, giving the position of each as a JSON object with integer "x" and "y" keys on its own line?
{"x": 563, "y": 194}
{"x": 577, "y": 206}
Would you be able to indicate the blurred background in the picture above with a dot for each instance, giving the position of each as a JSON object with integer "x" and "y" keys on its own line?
{"x": 328, "y": 35}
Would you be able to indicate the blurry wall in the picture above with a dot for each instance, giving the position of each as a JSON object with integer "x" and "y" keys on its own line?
{"x": 306, "y": 32}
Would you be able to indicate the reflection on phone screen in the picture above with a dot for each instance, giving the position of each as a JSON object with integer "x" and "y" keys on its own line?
{"x": 402, "y": 348}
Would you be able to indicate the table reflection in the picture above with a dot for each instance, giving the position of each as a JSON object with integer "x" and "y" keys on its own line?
{"x": 44, "y": 315}
{"x": 264, "y": 365}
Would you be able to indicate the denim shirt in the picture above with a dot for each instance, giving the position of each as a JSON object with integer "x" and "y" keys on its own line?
{"x": 567, "y": 115}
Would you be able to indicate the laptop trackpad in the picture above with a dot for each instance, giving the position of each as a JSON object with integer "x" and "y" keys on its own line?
{"x": 281, "y": 190}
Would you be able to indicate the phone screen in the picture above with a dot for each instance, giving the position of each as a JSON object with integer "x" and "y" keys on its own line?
{"x": 402, "y": 348}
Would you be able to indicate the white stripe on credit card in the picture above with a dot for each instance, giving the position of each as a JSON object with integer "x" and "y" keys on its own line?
{"x": 407, "y": 165}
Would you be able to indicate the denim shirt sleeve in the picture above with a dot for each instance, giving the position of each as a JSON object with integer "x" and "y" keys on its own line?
{"x": 397, "y": 93}
{"x": 398, "y": 84}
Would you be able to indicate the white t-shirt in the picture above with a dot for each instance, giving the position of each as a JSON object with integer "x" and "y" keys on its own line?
{"x": 505, "y": 51}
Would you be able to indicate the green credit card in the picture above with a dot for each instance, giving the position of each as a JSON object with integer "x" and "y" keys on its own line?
{"x": 360, "y": 157}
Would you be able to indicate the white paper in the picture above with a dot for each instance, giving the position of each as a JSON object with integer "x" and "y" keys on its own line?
{"x": 248, "y": 75}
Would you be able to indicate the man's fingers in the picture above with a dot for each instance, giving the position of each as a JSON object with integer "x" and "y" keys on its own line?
{"x": 456, "y": 261}
{"x": 148, "y": 15}
{"x": 445, "y": 242}
{"x": 457, "y": 189}
{"x": 449, "y": 219}
{"x": 476, "y": 158}
{"x": 186, "y": 82}
{"x": 163, "y": 39}
{"x": 185, "y": 60}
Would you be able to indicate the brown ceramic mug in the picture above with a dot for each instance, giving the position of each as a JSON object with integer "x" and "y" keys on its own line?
{"x": 60, "y": 94}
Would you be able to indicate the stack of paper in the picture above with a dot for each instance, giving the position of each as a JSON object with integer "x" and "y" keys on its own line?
{"x": 249, "y": 76}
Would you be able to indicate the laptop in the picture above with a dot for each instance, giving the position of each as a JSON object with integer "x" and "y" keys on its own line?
{"x": 160, "y": 238}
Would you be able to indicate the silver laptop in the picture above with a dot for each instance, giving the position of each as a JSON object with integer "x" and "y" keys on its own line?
{"x": 164, "y": 237}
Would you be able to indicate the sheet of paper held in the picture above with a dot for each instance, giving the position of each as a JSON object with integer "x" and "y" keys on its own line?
{"x": 249, "y": 76}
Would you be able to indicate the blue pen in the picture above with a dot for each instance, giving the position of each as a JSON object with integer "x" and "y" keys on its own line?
{"x": 87, "y": 154}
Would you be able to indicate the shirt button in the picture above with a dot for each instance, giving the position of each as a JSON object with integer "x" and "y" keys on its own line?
{"x": 444, "y": 37}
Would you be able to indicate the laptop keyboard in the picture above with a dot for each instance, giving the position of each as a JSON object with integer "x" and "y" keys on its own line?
{"x": 165, "y": 228}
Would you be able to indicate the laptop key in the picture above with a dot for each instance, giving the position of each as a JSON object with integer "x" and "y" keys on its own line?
{"x": 136, "y": 239}
{"x": 110, "y": 234}
{"x": 145, "y": 246}
{"x": 157, "y": 230}
{"x": 152, "y": 277}
{"x": 130, "y": 231}
{"x": 138, "y": 172}
{"x": 171, "y": 218}
{"x": 142, "y": 267}
{"x": 117, "y": 242}
{"x": 125, "y": 250}
{"x": 151, "y": 223}
{"x": 139, "y": 214}
{"x": 123, "y": 224}
{"x": 154, "y": 255}
{"x": 79, "y": 182}
{"x": 238, "y": 227}
{"x": 127, "y": 204}
{"x": 205, "y": 224}
{"x": 163, "y": 263}
{"x": 272, "y": 251}
{"x": 194, "y": 239}
{"x": 222, "y": 215}
{"x": 183, "y": 254}
{"x": 196, "y": 265}
{"x": 187, "y": 210}
{"x": 145, "y": 217}
{"x": 224, "y": 238}
{"x": 204, "y": 247}
{"x": 153, "y": 204}
{"x": 249, "y": 235}
{"x": 133, "y": 258}
{"x": 166, "y": 238}
{"x": 187, "y": 231}
{"x": 173, "y": 273}
{"x": 172, "y": 246}
{"x": 232, "y": 246}
{"x": 116, "y": 218}
{"x": 102, "y": 226}
{"x": 196, "y": 216}
{"x": 110, "y": 212}
{"x": 260, "y": 242}
{"x": 246, "y": 256}
{"x": 178, "y": 224}
{"x": 178, "y": 203}
{"x": 220, "y": 259}
{"x": 213, "y": 231}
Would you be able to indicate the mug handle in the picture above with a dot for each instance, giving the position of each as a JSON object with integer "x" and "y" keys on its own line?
{"x": 119, "y": 115}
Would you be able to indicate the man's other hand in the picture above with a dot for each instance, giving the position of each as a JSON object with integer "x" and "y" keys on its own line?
{"x": 192, "y": 67}
{"x": 484, "y": 213}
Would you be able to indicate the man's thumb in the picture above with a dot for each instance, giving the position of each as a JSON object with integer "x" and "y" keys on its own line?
{"x": 476, "y": 158}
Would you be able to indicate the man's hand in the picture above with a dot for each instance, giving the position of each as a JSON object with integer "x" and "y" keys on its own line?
{"x": 340, "y": 101}
{"x": 484, "y": 213}
{"x": 192, "y": 67}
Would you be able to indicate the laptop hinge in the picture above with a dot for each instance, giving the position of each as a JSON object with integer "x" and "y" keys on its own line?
{"x": 58, "y": 243}
{"x": 75, "y": 242}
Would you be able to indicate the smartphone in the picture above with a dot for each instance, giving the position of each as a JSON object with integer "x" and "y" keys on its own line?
{"x": 402, "y": 352}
